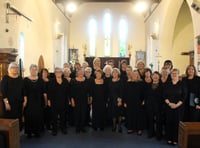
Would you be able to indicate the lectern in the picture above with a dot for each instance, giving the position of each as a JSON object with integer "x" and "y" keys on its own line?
{"x": 7, "y": 55}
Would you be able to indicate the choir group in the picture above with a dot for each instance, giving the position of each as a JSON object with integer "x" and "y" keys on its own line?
{"x": 80, "y": 95}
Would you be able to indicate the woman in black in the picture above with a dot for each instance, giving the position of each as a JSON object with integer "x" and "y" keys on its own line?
{"x": 141, "y": 68}
{"x": 192, "y": 103}
{"x": 79, "y": 100}
{"x": 165, "y": 75}
{"x": 34, "y": 98}
{"x": 123, "y": 66}
{"x": 90, "y": 80}
{"x": 174, "y": 95}
{"x": 12, "y": 89}
{"x": 107, "y": 70}
{"x": 133, "y": 98}
{"x": 147, "y": 75}
{"x": 58, "y": 95}
{"x": 98, "y": 101}
{"x": 69, "y": 112}
{"x": 153, "y": 105}
{"x": 115, "y": 96}
{"x": 44, "y": 74}
{"x": 165, "y": 79}
{"x": 96, "y": 65}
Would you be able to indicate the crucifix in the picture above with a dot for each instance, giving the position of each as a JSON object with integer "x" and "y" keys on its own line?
{"x": 158, "y": 56}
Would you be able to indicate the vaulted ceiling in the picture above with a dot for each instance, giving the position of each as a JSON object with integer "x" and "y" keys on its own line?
{"x": 61, "y": 4}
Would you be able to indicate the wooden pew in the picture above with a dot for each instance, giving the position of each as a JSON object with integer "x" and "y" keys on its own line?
{"x": 189, "y": 135}
{"x": 10, "y": 129}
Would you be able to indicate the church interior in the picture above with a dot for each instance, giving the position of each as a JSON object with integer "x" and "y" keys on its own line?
{"x": 164, "y": 30}
{"x": 50, "y": 33}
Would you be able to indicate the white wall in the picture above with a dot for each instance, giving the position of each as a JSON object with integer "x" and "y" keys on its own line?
{"x": 166, "y": 15}
{"x": 79, "y": 27}
{"x": 40, "y": 35}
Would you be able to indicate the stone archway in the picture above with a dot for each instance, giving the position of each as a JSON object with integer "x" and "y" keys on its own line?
{"x": 177, "y": 35}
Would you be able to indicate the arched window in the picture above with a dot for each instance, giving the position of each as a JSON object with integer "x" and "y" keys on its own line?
{"x": 123, "y": 29}
{"x": 107, "y": 34}
{"x": 92, "y": 37}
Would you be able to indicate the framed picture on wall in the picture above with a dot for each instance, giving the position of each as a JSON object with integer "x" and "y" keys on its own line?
{"x": 73, "y": 55}
{"x": 140, "y": 55}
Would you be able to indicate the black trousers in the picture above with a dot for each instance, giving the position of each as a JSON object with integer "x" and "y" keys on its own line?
{"x": 98, "y": 115}
{"x": 154, "y": 119}
{"x": 172, "y": 122}
{"x": 135, "y": 117}
{"x": 80, "y": 113}
{"x": 47, "y": 117}
{"x": 58, "y": 115}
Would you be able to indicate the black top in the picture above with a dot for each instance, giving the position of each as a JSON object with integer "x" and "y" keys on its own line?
{"x": 12, "y": 89}
{"x": 58, "y": 94}
{"x": 133, "y": 92}
{"x": 175, "y": 92}
{"x": 115, "y": 90}
{"x": 80, "y": 92}
{"x": 193, "y": 85}
{"x": 123, "y": 75}
{"x": 153, "y": 93}
{"x": 99, "y": 93}
{"x": 34, "y": 90}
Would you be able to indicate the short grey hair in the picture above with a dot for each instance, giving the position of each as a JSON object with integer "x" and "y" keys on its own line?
{"x": 88, "y": 69}
{"x": 67, "y": 70}
{"x": 12, "y": 64}
{"x": 33, "y": 66}
{"x": 117, "y": 70}
{"x": 107, "y": 66}
{"x": 58, "y": 69}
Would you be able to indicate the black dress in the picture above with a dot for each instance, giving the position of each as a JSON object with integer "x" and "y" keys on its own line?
{"x": 33, "y": 112}
{"x": 108, "y": 109}
{"x": 123, "y": 75}
{"x": 190, "y": 112}
{"x": 98, "y": 105}
{"x": 115, "y": 91}
{"x": 79, "y": 92}
{"x": 174, "y": 93}
{"x": 13, "y": 90}
{"x": 153, "y": 105}
{"x": 133, "y": 97}
{"x": 90, "y": 81}
{"x": 58, "y": 94}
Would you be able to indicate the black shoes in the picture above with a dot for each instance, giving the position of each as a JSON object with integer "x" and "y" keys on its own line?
{"x": 54, "y": 133}
{"x": 64, "y": 131}
{"x": 120, "y": 129}
{"x": 83, "y": 130}
{"x": 114, "y": 129}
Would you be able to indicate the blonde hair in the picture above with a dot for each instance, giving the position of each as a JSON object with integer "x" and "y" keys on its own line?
{"x": 95, "y": 59}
